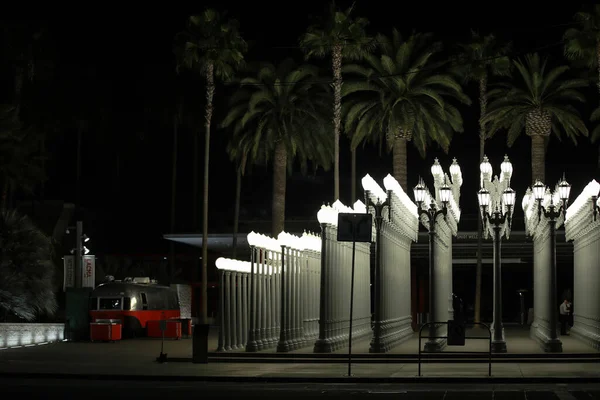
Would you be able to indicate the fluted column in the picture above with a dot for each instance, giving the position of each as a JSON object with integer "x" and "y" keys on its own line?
{"x": 323, "y": 343}
{"x": 228, "y": 324}
{"x": 252, "y": 344}
{"x": 222, "y": 320}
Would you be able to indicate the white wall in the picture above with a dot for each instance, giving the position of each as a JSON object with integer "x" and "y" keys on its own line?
{"x": 12, "y": 335}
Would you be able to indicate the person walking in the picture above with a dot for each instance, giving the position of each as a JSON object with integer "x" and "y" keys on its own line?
{"x": 564, "y": 317}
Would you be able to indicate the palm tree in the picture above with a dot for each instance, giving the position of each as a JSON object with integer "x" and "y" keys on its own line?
{"x": 26, "y": 269}
{"x": 400, "y": 96}
{"x": 539, "y": 104}
{"x": 278, "y": 116}
{"x": 20, "y": 165}
{"x": 214, "y": 48}
{"x": 481, "y": 58}
{"x": 344, "y": 37}
{"x": 238, "y": 153}
{"x": 582, "y": 47}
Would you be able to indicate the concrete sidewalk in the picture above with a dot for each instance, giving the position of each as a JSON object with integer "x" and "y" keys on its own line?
{"x": 126, "y": 361}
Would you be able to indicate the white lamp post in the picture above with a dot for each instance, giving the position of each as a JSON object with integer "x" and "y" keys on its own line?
{"x": 427, "y": 206}
{"x": 552, "y": 214}
{"x": 496, "y": 201}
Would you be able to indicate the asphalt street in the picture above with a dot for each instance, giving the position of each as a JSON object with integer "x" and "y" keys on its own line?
{"x": 102, "y": 389}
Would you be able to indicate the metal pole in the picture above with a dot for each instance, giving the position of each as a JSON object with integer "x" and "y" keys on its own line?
{"x": 376, "y": 345}
{"x": 252, "y": 345}
{"x": 553, "y": 299}
{"x": 498, "y": 343}
{"x": 282, "y": 346}
{"x": 78, "y": 255}
{"x": 351, "y": 302}
{"x": 431, "y": 277}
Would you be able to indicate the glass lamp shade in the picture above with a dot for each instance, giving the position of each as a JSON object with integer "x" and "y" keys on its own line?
{"x": 445, "y": 193}
{"x": 420, "y": 193}
{"x": 509, "y": 197}
{"x": 323, "y": 215}
{"x": 506, "y": 167}
{"x": 436, "y": 169}
{"x": 539, "y": 190}
{"x": 564, "y": 189}
{"x": 484, "y": 197}
{"x": 455, "y": 168}
{"x": 486, "y": 168}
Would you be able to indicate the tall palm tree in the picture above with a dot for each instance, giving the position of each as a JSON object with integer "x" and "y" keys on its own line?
{"x": 400, "y": 96}
{"x": 279, "y": 115}
{"x": 539, "y": 103}
{"x": 214, "y": 48}
{"x": 344, "y": 37}
{"x": 480, "y": 59}
{"x": 238, "y": 153}
{"x": 582, "y": 46}
{"x": 20, "y": 164}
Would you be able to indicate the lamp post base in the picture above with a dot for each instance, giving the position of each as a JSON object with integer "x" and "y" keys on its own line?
{"x": 323, "y": 346}
{"x": 499, "y": 347}
{"x": 553, "y": 346}
{"x": 434, "y": 345}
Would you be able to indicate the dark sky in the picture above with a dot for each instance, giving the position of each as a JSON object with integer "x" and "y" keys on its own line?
{"x": 130, "y": 66}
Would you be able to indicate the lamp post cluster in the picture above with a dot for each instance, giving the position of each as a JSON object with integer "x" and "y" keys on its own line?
{"x": 496, "y": 201}
{"x": 396, "y": 227}
{"x": 79, "y": 251}
{"x": 429, "y": 210}
{"x": 556, "y": 209}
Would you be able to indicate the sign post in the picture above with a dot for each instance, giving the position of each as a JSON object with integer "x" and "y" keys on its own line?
{"x": 163, "y": 327}
{"x": 353, "y": 227}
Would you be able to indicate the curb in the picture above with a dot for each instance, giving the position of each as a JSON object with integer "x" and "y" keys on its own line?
{"x": 341, "y": 379}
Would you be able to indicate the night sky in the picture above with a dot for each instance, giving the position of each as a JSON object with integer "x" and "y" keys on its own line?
{"x": 123, "y": 67}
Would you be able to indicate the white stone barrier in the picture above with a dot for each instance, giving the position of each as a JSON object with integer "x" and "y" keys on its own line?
{"x": 336, "y": 265}
{"x": 583, "y": 228}
{"x": 26, "y": 334}
{"x": 398, "y": 228}
{"x": 272, "y": 300}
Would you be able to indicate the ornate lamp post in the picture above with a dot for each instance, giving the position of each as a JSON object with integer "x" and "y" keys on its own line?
{"x": 378, "y": 199}
{"x": 431, "y": 212}
{"x": 552, "y": 214}
{"x": 497, "y": 197}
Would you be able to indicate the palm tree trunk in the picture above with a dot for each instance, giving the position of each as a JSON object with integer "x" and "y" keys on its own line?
{"x": 399, "y": 162}
{"x": 336, "y": 61}
{"x": 78, "y": 178}
{"x": 43, "y": 155}
{"x": 598, "y": 84}
{"x": 482, "y": 139}
{"x": 236, "y": 211}
{"x": 19, "y": 76}
{"x": 173, "y": 195}
{"x": 210, "y": 92}
{"x": 279, "y": 189}
{"x": 538, "y": 158}
{"x": 353, "y": 185}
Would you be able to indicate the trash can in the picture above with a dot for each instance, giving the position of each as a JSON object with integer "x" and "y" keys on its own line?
{"x": 200, "y": 344}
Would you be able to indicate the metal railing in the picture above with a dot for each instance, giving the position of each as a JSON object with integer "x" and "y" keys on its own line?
{"x": 489, "y": 338}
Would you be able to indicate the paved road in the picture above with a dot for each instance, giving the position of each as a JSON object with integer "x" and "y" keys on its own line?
{"x": 93, "y": 389}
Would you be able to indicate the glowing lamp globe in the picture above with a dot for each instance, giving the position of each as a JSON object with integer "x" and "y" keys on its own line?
{"x": 506, "y": 167}
{"x": 539, "y": 190}
{"x": 420, "y": 192}
{"x": 486, "y": 168}
{"x": 509, "y": 197}
{"x": 445, "y": 193}
{"x": 484, "y": 197}
{"x": 436, "y": 169}
{"x": 564, "y": 189}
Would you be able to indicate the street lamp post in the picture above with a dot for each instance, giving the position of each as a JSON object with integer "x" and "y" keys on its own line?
{"x": 382, "y": 201}
{"x": 499, "y": 198}
{"x": 431, "y": 212}
{"x": 552, "y": 214}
